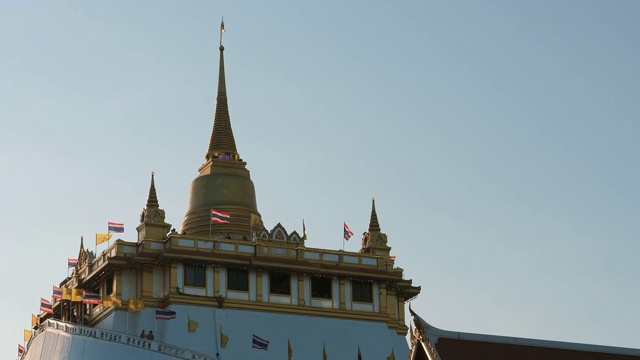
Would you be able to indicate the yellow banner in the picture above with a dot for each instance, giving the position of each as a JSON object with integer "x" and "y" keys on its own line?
{"x": 27, "y": 335}
{"x": 192, "y": 326}
{"x": 135, "y": 305}
{"x": 108, "y": 301}
{"x": 35, "y": 321}
{"x": 66, "y": 293}
{"x": 77, "y": 295}
{"x": 224, "y": 340}
{"x": 101, "y": 238}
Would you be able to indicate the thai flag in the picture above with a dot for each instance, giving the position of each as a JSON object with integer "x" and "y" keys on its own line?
{"x": 162, "y": 314}
{"x": 347, "y": 232}
{"x": 45, "y": 306}
{"x": 219, "y": 217}
{"x": 20, "y": 350}
{"x": 393, "y": 258}
{"x": 71, "y": 263}
{"x": 116, "y": 227}
{"x": 260, "y": 343}
{"x": 91, "y": 298}
{"x": 57, "y": 292}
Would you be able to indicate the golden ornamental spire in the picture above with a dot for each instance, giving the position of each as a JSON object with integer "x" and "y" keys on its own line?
{"x": 223, "y": 183}
{"x": 373, "y": 222}
{"x": 152, "y": 200}
{"x": 222, "y": 145}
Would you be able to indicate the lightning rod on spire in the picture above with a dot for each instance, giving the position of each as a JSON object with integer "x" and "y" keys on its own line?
{"x": 222, "y": 30}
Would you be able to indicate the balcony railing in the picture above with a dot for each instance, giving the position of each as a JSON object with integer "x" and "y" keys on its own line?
{"x": 124, "y": 339}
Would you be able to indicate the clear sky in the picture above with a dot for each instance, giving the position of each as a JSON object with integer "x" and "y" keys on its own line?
{"x": 500, "y": 139}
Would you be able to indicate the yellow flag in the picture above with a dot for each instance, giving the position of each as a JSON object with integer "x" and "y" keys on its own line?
{"x": 255, "y": 219}
{"x": 77, "y": 295}
{"x": 100, "y": 238}
{"x": 66, "y": 293}
{"x": 35, "y": 321}
{"x": 290, "y": 349}
{"x": 108, "y": 301}
{"x": 324, "y": 353}
{"x": 27, "y": 335}
{"x": 392, "y": 356}
{"x": 192, "y": 326}
{"x": 224, "y": 340}
{"x": 135, "y": 305}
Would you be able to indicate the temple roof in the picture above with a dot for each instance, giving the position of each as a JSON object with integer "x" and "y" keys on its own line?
{"x": 452, "y": 345}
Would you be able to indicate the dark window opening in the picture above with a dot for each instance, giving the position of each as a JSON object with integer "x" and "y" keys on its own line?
{"x": 194, "y": 275}
{"x": 109, "y": 286}
{"x": 280, "y": 283}
{"x": 238, "y": 279}
{"x": 321, "y": 287}
{"x": 362, "y": 291}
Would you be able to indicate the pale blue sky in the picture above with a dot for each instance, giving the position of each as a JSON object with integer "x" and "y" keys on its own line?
{"x": 499, "y": 139}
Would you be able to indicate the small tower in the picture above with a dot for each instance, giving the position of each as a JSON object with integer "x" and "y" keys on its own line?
{"x": 374, "y": 241}
{"x": 152, "y": 225}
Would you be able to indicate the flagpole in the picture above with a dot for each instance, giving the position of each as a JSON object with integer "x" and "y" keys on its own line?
{"x": 343, "y": 227}
{"x": 215, "y": 331}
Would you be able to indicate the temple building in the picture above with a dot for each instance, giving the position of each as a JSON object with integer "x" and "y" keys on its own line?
{"x": 226, "y": 286}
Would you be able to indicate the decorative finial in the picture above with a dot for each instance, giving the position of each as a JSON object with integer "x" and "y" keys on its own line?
{"x": 152, "y": 200}
{"x": 373, "y": 222}
{"x": 222, "y": 31}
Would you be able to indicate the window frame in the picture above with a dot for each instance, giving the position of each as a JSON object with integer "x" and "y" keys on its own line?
{"x": 281, "y": 285}
{"x": 239, "y": 273}
{"x": 362, "y": 291}
{"x": 193, "y": 277}
{"x": 319, "y": 287}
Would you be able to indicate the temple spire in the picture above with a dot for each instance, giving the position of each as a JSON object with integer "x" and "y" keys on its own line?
{"x": 152, "y": 201}
{"x": 222, "y": 144}
{"x": 373, "y": 223}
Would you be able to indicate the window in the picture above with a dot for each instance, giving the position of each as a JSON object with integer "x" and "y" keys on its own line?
{"x": 320, "y": 287}
{"x": 194, "y": 275}
{"x": 238, "y": 279}
{"x": 109, "y": 286}
{"x": 280, "y": 283}
{"x": 362, "y": 291}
